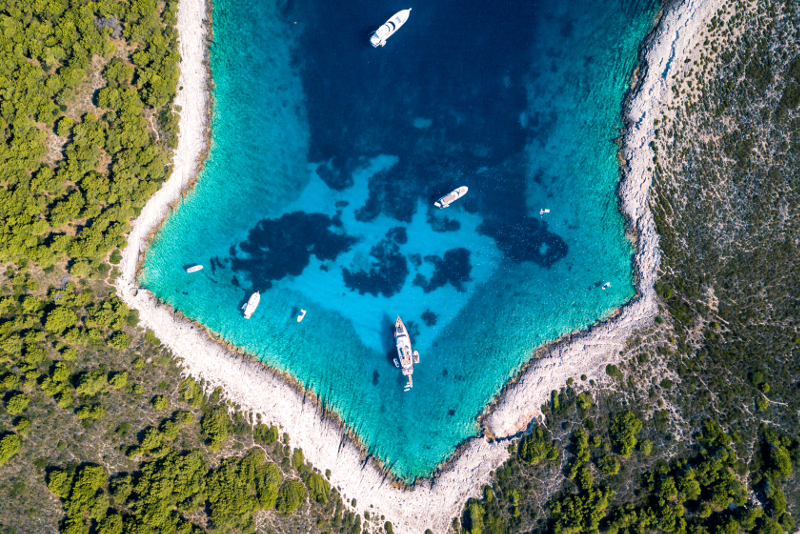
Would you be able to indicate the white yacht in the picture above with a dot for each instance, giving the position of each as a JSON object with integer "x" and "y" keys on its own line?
{"x": 406, "y": 357}
{"x": 380, "y": 35}
{"x": 451, "y": 197}
{"x": 252, "y": 304}
{"x": 194, "y": 268}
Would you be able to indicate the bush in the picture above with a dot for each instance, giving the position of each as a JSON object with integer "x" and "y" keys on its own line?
{"x": 160, "y": 402}
{"x": 119, "y": 380}
{"x": 623, "y": 432}
{"x": 10, "y": 444}
{"x": 60, "y": 319}
{"x": 17, "y": 403}
{"x": 290, "y": 497}
{"x": 93, "y": 411}
{"x": 119, "y": 340}
{"x": 265, "y": 434}
{"x": 216, "y": 425}
{"x": 537, "y": 446}
{"x": 609, "y": 464}
{"x": 318, "y": 488}
{"x": 91, "y": 383}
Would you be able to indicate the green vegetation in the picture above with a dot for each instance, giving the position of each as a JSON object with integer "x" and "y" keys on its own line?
{"x": 93, "y": 409}
{"x": 695, "y": 431}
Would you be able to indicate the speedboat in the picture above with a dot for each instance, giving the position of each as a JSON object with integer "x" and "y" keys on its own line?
{"x": 252, "y": 304}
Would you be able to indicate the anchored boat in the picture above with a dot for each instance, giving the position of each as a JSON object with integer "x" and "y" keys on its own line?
{"x": 451, "y": 197}
{"x": 379, "y": 36}
{"x": 194, "y": 268}
{"x": 301, "y": 315}
{"x": 406, "y": 357}
{"x": 252, "y": 304}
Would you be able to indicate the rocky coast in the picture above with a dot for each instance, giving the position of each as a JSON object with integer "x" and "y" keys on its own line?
{"x": 430, "y": 504}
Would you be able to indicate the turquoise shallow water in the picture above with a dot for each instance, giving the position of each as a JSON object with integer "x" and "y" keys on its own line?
{"x": 326, "y": 157}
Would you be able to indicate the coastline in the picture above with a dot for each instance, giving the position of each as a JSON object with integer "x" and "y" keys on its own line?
{"x": 431, "y": 503}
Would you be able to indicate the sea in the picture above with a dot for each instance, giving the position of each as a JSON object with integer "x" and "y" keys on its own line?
{"x": 326, "y": 158}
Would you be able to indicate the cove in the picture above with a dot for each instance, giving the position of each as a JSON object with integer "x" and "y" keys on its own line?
{"x": 318, "y": 191}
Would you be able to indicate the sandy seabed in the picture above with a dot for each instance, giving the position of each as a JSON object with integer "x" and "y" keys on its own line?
{"x": 430, "y": 504}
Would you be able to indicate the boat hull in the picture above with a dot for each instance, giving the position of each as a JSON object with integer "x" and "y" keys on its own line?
{"x": 379, "y": 36}
{"x": 451, "y": 197}
{"x": 252, "y": 304}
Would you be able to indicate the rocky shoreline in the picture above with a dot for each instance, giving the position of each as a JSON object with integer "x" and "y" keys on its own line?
{"x": 430, "y": 504}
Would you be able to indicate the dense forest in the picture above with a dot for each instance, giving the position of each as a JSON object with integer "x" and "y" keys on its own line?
{"x": 99, "y": 432}
{"x": 696, "y": 432}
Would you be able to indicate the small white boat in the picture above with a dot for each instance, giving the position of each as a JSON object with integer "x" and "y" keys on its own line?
{"x": 302, "y": 314}
{"x": 252, "y": 304}
{"x": 194, "y": 268}
{"x": 606, "y": 285}
{"x": 379, "y": 36}
{"x": 451, "y": 197}
{"x": 543, "y": 211}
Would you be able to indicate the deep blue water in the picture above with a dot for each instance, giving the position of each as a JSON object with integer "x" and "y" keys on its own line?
{"x": 326, "y": 158}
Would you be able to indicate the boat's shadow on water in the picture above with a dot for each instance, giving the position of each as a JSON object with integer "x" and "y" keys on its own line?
{"x": 387, "y": 340}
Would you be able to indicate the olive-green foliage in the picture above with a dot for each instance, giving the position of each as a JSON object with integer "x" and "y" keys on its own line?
{"x": 17, "y": 403}
{"x": 473, "y": 517}
{"x": 49, "y": 48}
{"x": 216, "y": 425}
{"x": 90, "y": 411}
{"x": 239, "y": 487}
{"x": 265, "y": 434}
{"x": 608, "y": 464}
{"x": 191, "y": 393}
{"x": 623, "y": 432}
{"x": 538, "y": 446}
{"x": 318, "y": 488}
{"x": 160, "y": 402}
{"x": 91, "y": 383}
{"x": 290, "y": 496}
{"x": 298, "y": 459}
{"x": 60, "y": 319}
{"x": 581, "y": 512}
{"x": 119, "y": 380}
{"x": 580, "y": 448}
{"x": 10, "y": 444}
{"x": 80, "y": 489}
{"x": 166, "y": 487}
{"x": 584, "y": 401}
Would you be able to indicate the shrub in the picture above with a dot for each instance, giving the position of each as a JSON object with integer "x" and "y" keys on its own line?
{"x": 318, "y": 488}
{"x": 537, "y": 446}
{"x": 150, "y": 337}
{"x": 609, "y": 464}
{"x": 216, "y": 425}
{"x": 119, "y": 340}
{"x": 17, "y": 403}
{"x": 265, "y": 434}
{"x": 10, "y": 444}
{"x": 119, "y": 380}
{"x": 160, "y": 402}
{"x": 623, "y": 432}
{"x": 92, "y": 411}
{"x": 60, "y": 319}
{"x": 298, "y": 459}
{"x": 91, "y": 383}
{"x": 290, "y": 497}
